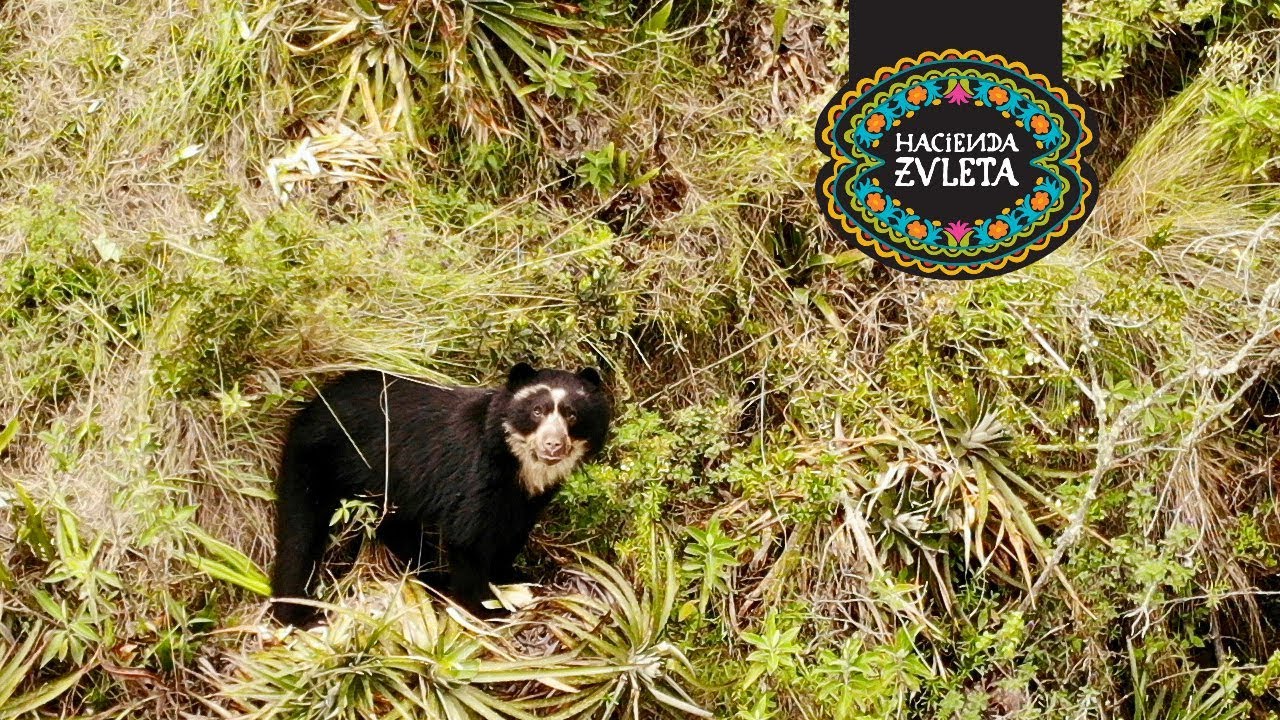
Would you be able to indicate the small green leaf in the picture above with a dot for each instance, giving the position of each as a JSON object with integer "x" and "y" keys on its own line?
{"x": 8, "y": 433}
{"x": 658, "y": 19}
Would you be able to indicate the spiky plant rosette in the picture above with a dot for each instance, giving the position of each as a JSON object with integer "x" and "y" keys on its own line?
{"x": 425, "y": 66}
{"x": 393, "y": 648}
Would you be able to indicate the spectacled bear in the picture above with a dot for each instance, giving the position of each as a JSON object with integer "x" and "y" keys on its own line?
{"x": 473, "y": 466}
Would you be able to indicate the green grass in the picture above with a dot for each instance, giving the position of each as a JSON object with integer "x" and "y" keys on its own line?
{"x": 831, "y": 492}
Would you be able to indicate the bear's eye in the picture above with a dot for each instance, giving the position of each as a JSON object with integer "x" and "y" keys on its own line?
{"x": 537, "y": 413}
{"x": 570, "y": 417}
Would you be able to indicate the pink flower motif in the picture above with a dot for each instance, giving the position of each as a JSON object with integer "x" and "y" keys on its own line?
{"x": 957, "y": 230}
{"x": 959, "y": 95}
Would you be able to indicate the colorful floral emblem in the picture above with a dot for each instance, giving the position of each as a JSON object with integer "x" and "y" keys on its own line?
{"x": 955, "y": 165}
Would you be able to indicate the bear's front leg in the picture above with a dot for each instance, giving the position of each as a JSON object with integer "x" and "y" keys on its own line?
{"x": 504, "y": 560}
{"x": 470, "y": 570}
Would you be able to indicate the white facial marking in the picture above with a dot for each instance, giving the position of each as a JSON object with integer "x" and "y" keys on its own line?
{"x": 528, "y": 390}
{"x": 537, "y": 475}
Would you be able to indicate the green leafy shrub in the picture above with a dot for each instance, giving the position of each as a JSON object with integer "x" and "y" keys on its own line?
{"x": 1104, "y": 38}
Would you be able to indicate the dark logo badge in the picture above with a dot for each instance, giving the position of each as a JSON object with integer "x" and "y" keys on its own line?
{"x": 955, "y": 164}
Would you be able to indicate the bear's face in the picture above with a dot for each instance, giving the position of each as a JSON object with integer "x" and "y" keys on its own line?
{"x": 553, "y": 420}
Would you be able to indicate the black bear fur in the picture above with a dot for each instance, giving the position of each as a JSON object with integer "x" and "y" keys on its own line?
{"x": 456, "y": 462}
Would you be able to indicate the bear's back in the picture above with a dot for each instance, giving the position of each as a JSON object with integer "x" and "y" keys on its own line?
{"x": 373, "y": 430}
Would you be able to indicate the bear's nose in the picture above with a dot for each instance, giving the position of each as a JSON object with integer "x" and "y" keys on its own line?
{"x": 553, "y": 450}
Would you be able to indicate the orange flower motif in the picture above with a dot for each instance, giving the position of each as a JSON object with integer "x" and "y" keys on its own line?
{"x": 875, "y": 201}
{"x": 875, "y": 123}
{"x": 917, "y": 230}
{"x": 1040, "y": 200}
{"x": 998, "y": 229}
{"x": 917, "y": 95}
{"x": 1040, "y": 124}
{"x": 998, "y": 95}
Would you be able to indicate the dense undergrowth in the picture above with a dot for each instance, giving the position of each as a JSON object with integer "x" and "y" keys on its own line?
{"x": 832, "y": 492}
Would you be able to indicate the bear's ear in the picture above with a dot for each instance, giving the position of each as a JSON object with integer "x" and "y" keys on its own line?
{"x": 520, "y": 375}
{"x": 590, "y": 376}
